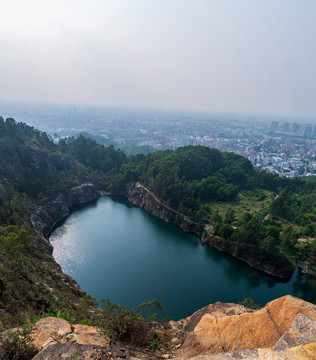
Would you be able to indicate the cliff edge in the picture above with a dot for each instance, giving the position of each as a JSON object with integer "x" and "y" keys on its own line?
{"x": 284, "y": 329}
{"x": 44, "y": 217}
{"x": 144, "y": 198}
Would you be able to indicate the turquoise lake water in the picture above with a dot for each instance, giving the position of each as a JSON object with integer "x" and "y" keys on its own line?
{"x": 118, "y": 251}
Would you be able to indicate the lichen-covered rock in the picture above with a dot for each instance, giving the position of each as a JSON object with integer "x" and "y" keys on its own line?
{"x": 87, "y": 335}
{"x": 215, "y": 333}
{"x": 51, "y": 330}
{"x": 71, "y": 351}
{"x": 302, "y": 332}
{"x": 301, "y": 352}
{"x": 75, "y": 351}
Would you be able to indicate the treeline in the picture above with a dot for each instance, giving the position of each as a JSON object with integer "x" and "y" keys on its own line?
{"x": 193, "y": 179}
{"x": 190, "y": 179}
{"x": 20, "y": 132}
{"x": 32, "y": 163}
{"x": 258, "y": 235}
{"x": 95, "y": 156}
{"x": 189, "y": 176}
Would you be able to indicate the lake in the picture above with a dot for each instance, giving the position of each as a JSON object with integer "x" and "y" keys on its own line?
{"x": 118, "y": 251}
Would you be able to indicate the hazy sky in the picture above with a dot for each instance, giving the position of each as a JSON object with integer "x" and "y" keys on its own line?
{"x": 245, "y": 56}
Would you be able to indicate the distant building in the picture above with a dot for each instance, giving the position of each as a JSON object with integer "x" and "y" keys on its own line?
{"x": 305, "y": 130}
{"x": 295, "y": 128}
{"x": 286, "y": 127}
{"x": 274, "y": 126}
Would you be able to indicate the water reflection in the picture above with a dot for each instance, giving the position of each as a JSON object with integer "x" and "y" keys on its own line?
{"x": 238, "y": 271}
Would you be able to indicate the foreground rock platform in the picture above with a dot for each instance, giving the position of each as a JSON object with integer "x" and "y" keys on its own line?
{"x": 218, "y": 331}
{"x": 284, "y": 329}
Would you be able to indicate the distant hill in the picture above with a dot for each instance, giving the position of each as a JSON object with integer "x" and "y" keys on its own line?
{"x": 128, "y": 149}
{"x": 99, "y": 139}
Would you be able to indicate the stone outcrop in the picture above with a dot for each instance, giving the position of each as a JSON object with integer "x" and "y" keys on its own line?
{"x": 142, "y": 197}
{"x": 51, "y": 330}
{"x": 74, "y": 351}
{"x": 57, "y": 339}
{"x": 302, "y": 332}
{"x": 298, "y": 343}
{"x": 219, "y": 331}
{"x": 44, "y": 217}
{"x": 285, "y": 329}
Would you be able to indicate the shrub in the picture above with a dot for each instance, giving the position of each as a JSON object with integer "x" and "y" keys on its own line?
{"x": 124, "y": 324}
{"x": 249, "y": 303}
{"x": 18, "y": 345}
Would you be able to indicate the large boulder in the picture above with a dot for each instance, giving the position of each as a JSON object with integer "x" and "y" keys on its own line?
{"x": 298, "y": 343}
{"x": 51, "y": 330}
{"x": 218, "y": 331}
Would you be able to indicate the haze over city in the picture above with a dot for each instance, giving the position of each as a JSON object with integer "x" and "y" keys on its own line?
{"x": 221, "y": 56}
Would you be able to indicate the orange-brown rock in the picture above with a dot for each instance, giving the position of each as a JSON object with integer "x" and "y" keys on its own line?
{"x": 50, "y": 330}
{"x": 73, "y": 351}
{"x": 218, "y": 332}
{"x": 87, "y": 335}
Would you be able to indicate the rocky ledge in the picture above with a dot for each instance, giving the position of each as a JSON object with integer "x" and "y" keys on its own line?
{"x": 44, "y": 217}
{"x": 142, "y": 197}
{"x": 228, "y": 331}
{"x": 284, "y": 329}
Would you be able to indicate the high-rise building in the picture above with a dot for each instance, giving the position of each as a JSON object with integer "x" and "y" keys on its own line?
{"x": 286, "y": 127}
{"x": 305, "y": 130}
{"x": 295, "y": 128}
{"x": 274, "y": 125}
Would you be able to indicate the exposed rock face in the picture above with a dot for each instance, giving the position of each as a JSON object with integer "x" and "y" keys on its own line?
{"x": 218, "y": 310}
{"x": 56, "y": 336}
{"x": 51, "y": 330}
{"x": 71, "y": 351}
{"x": 298, "y": 343}
{"x": 142, "y": 197}
{"x": 302, "y": 332}
{"x": 46, "y": 216}
{"x": 139, "y": 195}
{"x": 218, "y": 331}
{"x": 57, "y": 339}
{"x": 285, "y": 329}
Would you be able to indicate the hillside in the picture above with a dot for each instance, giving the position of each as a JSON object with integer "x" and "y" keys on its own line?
{"x": 255, "y": 216}
{"x": 260, "y": 218}
{"x": 32, "y": 173}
